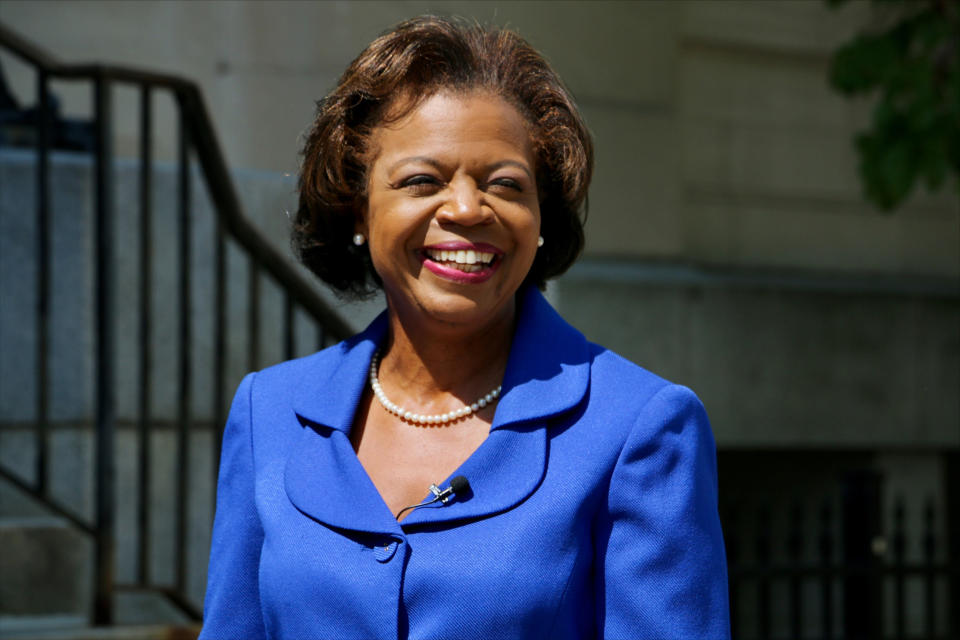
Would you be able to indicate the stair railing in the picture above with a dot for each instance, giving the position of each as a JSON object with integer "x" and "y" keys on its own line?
{"x": 195, "y": 136}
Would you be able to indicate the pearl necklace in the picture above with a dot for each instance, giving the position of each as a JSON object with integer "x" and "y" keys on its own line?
{"x": 417, "y": 418}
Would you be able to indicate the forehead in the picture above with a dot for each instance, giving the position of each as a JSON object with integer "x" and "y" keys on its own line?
{"x": 449, "y": 123}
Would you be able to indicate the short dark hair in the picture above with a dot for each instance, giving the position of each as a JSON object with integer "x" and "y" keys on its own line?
{"x": 415, "y": 60}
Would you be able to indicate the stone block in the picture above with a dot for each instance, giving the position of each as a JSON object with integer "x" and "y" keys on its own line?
{"x": 782, "y": 27}
{"x": 635, "y": 204}
{"x": 783, "y": 363}
{"x": 46, "y": 567}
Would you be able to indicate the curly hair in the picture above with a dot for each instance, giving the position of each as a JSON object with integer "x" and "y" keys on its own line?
{"x": 413, "y": 61}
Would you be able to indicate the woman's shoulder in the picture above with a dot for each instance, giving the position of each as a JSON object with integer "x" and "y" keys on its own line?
{"x": 635, "y": 392}
{"x": 322, "y": 388}
{"x": 605, "y": 362}
{"x": 328, "y": 365}
{"x": 622, "y": 376}
{"x": 313, "y": 364}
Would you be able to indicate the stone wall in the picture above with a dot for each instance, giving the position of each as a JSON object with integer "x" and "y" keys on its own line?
{"x": 718, "y": 140}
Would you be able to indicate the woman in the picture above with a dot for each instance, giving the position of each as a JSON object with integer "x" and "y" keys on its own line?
{"x": 448, "y": 167}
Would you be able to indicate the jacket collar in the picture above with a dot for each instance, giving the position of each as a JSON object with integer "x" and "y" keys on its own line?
{"x": 547, "y": 371}
{"x": 330, "y": 397}
{"x": 548, "y": 368}
{"x": 547, "y": 374}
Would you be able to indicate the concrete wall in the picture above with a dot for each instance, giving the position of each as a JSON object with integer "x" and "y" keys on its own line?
{"x": 728, "y": 247}
{"x": 71, "y": 344}
{"x": 782, "y": 362}
{"x": 781, "y": 358}
{"x": 718, "y": 140}
{"x": 719, "y": 147}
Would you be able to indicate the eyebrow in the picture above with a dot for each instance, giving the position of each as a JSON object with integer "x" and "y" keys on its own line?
{"x": 513, "y": 163}
{"x": 436, "y": 164}
{"x": 424, "y": 159}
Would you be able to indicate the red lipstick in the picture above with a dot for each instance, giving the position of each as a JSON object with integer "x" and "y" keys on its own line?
{"x": 478, "y": 271}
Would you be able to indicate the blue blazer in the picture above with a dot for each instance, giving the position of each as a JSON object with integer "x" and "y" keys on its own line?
{"x": 593, "y": 511}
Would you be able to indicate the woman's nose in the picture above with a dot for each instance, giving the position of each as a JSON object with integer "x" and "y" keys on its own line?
{"x": 465, "y": 206}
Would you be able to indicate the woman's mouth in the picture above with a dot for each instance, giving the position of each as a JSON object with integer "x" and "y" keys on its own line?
{"x": 469, "y": 263}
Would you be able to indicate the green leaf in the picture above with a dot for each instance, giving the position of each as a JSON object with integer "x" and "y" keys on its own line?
{"x": 863, "y": 64}
{"x": 914, "y": 66}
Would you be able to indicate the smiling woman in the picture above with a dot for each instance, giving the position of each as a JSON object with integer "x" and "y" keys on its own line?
{"x": 453, "y": 181}
{"x": 448, "y": 167}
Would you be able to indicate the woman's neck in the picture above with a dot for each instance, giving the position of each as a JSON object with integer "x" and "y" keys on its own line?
{"x": 425, "y": 365}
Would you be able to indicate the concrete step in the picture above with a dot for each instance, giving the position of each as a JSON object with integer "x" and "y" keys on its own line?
{"x": 71, "y": 485}
{"x": 139, "y": 615}
{"x": 33, "y": 630}
{"x": 46, "y": 590}
{"x": 13, "y": 626}
{"x": 46, "y": 566}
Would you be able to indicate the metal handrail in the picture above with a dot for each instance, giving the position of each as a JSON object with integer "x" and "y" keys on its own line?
{"x": 196, "y": 134}
{"x": 210, "y": 156}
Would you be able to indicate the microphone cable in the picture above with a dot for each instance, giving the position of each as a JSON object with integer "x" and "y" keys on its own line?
{"x": 458, "y": 484}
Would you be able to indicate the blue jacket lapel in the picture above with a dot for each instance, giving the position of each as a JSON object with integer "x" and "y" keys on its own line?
{"x": 330, "y": 396}
{"x": 325, "y": 480}
{"x": 547, "y": 374}
{"x": 549, "y": 366}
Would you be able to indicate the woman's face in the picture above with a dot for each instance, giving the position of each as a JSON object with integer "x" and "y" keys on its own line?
{"x": 452, "y": 213}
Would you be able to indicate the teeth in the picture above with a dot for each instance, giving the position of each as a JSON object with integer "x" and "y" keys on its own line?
{"x": 468, "y": 257}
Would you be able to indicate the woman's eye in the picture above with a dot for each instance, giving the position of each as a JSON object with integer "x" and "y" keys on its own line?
{"x": 506, "y": 183}
{"x": 420, "y": 183}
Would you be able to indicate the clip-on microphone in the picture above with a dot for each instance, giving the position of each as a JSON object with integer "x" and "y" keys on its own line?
{"x": 458, "y": 484}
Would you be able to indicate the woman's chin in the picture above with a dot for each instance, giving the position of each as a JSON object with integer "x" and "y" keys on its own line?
{"x": 460, "y": 311}
{"x": 455, "y": 306}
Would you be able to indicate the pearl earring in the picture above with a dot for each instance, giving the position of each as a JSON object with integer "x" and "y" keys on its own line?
{"x": 539, "y": 241}
{"x": 359, "y": 239}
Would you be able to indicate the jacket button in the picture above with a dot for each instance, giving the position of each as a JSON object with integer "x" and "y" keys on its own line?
{"x": 385, "y": 551}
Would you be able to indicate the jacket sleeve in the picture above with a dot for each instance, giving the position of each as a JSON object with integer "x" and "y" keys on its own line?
{"x": 232, "y": 602}
{"x": 664, "y": 569}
